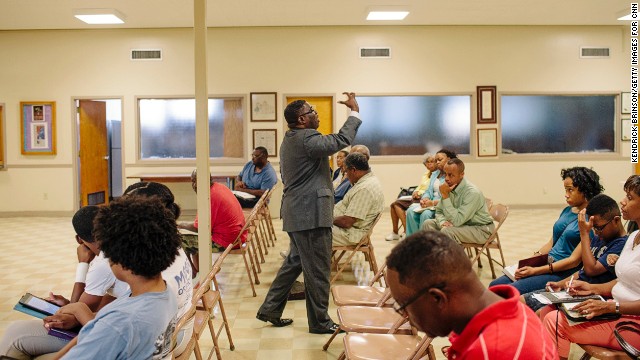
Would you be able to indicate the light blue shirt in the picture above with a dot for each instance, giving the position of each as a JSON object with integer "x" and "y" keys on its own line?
{"x": 264, "y": 180}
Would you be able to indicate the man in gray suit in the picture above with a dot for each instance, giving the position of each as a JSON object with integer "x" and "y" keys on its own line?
{"x": 307, "y": 213}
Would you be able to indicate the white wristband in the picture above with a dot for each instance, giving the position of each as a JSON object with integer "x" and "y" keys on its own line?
{"x": 81, "y": 272}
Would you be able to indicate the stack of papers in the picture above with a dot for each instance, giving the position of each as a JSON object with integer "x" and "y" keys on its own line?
{"x": 243, "y": 195}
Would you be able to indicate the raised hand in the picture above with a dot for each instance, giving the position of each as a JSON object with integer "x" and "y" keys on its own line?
{"x": 351, "y": 102}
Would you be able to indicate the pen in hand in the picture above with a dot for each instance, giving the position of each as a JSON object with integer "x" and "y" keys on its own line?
{"x": 570, "y": 283}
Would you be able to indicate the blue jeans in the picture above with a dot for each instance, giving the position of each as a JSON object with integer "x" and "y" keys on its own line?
{"x": 533, "y": 283}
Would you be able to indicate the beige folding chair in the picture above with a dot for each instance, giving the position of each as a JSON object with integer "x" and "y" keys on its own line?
{"x": 602, "y": 353}
{"x": 499, "y": 214}
{"x": 207, "y": 303}
{"x": 354, "y": 295}
{"x": 365, "y": 246}
{"x": 184, "y": 320}
{"x": 370, "y": 320}
{"x": 387, "y": 346}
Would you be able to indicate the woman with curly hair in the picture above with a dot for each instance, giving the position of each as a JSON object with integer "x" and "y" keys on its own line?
{"x": 140, "y": 238}
{"x": 563, "y": 249}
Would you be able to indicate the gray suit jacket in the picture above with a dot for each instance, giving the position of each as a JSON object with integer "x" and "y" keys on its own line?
{"x": 307, "y": 200}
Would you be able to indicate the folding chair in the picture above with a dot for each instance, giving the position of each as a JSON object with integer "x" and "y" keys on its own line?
{"x": 207, "y": 303}
{"x": 365, "y": 246}
{"x": 344, "y": 295}
{"x": 387, "y": 346}
{"x": 184, "y": 320}
{"x": 499, "y": 214}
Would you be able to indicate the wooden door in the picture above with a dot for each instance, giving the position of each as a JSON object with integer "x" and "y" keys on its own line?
{"x": 324, "y": 107}
{"x": 94, "y": 153}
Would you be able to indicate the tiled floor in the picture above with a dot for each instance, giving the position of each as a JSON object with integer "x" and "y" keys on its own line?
{"x": 38, "y": 255}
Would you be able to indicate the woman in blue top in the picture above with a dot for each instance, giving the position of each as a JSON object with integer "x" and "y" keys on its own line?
{"x": 580, "y": 185}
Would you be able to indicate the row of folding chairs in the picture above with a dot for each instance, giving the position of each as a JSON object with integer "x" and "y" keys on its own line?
{"x": 260, "y": 235}
{"x": 374, "y": 330}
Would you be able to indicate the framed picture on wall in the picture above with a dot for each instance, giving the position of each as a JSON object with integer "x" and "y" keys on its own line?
{"x": 263, "y": 106}
{"x": 487, "y": 142}
{"x": 625, "y": 103}
{"x": 625, "y": 133}
{"x": 38, "y": 127}
{"x": 486, "y": 97}
{"x": 267, "y": 138}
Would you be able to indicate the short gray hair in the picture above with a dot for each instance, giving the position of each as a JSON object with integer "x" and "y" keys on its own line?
{"x": 357, "y": 161}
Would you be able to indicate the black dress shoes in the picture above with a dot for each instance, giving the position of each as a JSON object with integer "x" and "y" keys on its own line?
{"x": 330, "y": 330}
{"x": 277, "y": 322}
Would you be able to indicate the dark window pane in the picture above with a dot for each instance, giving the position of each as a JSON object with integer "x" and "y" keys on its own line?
{"x": 557, "y": 124}
{"x": 413, "y": 125}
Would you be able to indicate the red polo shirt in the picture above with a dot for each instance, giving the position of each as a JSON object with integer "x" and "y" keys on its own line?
{"x": 227, "y": 218}
{"x": 507, "y": 329}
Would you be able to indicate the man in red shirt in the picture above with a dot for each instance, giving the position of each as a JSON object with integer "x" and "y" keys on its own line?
{"x": 227, "y": 219}
{"x": 433, "y": 283}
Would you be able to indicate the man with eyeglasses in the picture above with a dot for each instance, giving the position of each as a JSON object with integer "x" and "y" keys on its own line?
{"x": 599, "y": 252}
{"x": 307, "y": 212}
{"x": 256, "y": 177}
{"x": 434, "y": 285}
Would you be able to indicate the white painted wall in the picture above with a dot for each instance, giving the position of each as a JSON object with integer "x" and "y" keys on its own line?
{"x": 61, "y": 65}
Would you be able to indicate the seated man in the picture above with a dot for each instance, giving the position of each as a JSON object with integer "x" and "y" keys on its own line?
{"x": 462, "y": 211}
{"x": 256, "y": 177}
{"x": 599, "y": 254}
{"x": 433, "y": 283}
{"x": 354, "y": 215}
{"x": 344, "y": 187}
{"x": 93, "y": 286}
{"x": 227, "y": 220}
{"x": 140, "y": 238}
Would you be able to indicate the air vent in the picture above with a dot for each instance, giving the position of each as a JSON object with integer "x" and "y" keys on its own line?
{"x": 146, "y": 54}
{"x": 592, "y": 52}
{"x": 375, "y": 52}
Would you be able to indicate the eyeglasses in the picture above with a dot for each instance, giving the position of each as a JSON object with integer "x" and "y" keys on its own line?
{"x": 401, "y": 309}
{"x": 309, "y": 112}
{"x": 601, "y": 227}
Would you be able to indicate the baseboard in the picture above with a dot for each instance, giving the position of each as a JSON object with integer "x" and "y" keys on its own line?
{"x": 9, "y": 214}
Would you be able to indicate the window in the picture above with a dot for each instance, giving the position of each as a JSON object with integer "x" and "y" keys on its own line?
{"x": 558, "y": 123}
{"x": 168, "y": 128}
{"x": 413, "y": 125}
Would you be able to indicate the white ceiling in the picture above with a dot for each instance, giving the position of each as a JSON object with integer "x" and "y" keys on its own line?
{"x": 58, "y": 14}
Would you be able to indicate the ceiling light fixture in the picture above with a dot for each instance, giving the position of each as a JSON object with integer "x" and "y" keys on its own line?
{"x": 99, "y": 16}
{"x": 387, "y": 15}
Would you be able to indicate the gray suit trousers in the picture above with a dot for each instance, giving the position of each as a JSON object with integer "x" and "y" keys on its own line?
{"x": 310, "y": 254}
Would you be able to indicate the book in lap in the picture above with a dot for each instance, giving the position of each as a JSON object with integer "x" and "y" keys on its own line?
{"x": 538, "y": 260}
{"x": 556, "y": 297}
{"x": 243, "y": 195}
{"x": 575, "y": 316}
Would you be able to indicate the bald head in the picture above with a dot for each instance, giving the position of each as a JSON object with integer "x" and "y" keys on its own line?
{"x": 361, "y": 149}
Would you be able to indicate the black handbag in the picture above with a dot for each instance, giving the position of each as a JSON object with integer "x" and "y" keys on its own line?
{"x": 627, "y": 326}
{"x": 407, "y": 191}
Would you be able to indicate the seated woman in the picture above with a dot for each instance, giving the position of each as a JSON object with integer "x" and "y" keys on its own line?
{"x": 419, "y": 212}
{"x": 625, "y": 291}
{"x": 339, "y": 174}
{"x": 140, "y": 238}
{"x": 343, "y": 186}
{"x": 399, "y": 207}
{"x": 598, "y": 252}
{"x": 563, "y": 249}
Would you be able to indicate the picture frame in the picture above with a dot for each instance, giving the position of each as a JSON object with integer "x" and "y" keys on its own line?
{"x": 625, "y": 131}
{"x": 38, "y": 127}
{"x": 487, "y": 142}
{"x": 625, "y": 103}
{"x": 264, "y": 106}
{"x": 267, "y": 138}
{"x": 486, "y": 100}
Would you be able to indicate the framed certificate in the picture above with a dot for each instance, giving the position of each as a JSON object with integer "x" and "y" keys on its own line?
{"x": 486, "y": 104}
{"x": 487, "y": 142}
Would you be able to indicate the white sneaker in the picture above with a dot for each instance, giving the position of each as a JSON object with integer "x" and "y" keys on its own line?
{"x": 392, "y": 236}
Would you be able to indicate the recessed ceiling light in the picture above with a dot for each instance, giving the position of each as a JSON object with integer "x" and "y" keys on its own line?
{"x": 387, "y": 15}
{"x": 100, "y": 16}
